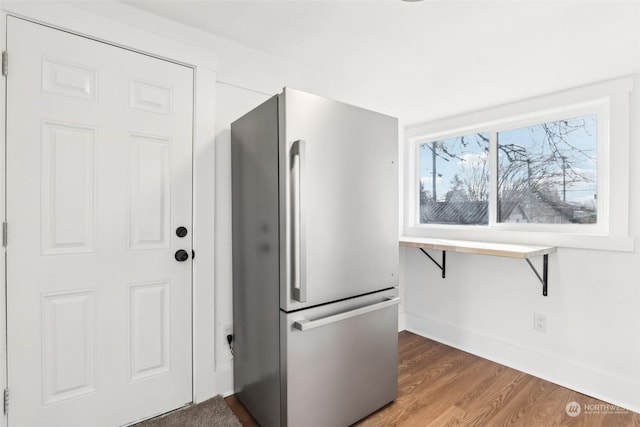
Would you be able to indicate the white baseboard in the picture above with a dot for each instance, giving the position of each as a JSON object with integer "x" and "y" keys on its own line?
{"x": 402, "y": 324}
{"x": 222, "y": 384}
{"x": 614, "y": 390}
{"x": 224, "y": 381}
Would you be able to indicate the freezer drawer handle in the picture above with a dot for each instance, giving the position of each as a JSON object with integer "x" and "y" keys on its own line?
{"x": 299, "y": 242}
{"x": 304, "y": 325}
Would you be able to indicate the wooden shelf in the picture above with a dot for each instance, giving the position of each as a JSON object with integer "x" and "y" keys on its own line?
{"x": 483, "y": 248}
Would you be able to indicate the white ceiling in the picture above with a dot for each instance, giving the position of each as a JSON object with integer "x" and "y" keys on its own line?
{"x": 433, "y": 58}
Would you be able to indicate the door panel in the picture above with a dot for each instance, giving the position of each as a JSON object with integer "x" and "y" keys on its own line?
{"x": 149, "y": 191}
{"x": 149, "y": 329}
{"x": 99, "y": 172}
{"x": 68, "y": 348}
{"x": 346, "y": 178}
{"x": 68, "y": 188}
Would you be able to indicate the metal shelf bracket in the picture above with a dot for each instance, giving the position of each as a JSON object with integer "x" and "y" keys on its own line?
{"x": 507, "y": 250}
{"x": 442, "y": 267}
{"x": 544, "y": 279}
{"x": 545, "y": 273}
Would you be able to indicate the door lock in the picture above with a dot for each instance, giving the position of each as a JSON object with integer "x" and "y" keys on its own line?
{"x": 181, "y": 231}
{"x": 181, "y": 255}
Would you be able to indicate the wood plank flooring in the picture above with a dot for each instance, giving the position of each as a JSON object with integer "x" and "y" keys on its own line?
{"x": 440, "y": 386}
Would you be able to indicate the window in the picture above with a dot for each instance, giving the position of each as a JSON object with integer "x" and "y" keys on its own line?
{"x": 536, "y": 171}
{"x": 454, "y": 180}
{"x": 547, "y": 173}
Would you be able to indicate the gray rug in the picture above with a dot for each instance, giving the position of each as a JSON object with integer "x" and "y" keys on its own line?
{"x": 210, "y": 413}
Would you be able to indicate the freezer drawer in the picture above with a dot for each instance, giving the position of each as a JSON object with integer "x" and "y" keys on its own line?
{"x": 339, "y": 361}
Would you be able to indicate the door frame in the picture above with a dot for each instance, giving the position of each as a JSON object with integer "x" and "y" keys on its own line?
{"x": 204, "y": 62}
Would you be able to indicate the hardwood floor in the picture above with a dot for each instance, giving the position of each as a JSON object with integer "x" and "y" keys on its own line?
{"x": 441, "y": 386}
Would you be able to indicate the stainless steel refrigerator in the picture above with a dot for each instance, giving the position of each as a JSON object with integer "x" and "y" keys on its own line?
{"x": 315, "y": 261}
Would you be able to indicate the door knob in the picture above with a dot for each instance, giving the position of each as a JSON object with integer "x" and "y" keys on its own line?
{"x": 181, "y": 255}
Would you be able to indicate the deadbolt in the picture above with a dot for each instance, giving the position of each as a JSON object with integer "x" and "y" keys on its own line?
{"x": 181, "y": 231}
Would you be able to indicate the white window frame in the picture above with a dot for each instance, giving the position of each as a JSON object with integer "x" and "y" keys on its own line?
{"x": 608, "y": 100}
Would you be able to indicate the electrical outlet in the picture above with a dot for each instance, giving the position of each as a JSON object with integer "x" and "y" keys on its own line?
{"x": 540, "y": 322}
{"x": 226, "y": 331}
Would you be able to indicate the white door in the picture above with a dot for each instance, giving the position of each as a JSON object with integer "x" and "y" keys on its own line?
{"x": 99, "y": 172}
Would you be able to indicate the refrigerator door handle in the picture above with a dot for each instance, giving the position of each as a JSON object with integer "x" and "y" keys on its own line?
{"x": 298, "y": 235}
{"x": 305, "y": 325}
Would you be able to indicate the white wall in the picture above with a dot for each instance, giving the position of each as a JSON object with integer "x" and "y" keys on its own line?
{"x": 486, "y": 304}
